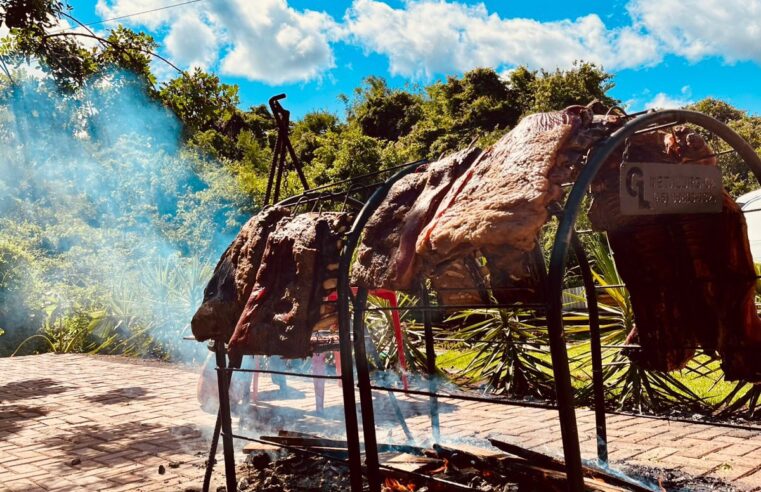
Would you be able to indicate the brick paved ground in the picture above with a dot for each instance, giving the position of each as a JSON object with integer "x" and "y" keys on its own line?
{"x": 75, "y": 422}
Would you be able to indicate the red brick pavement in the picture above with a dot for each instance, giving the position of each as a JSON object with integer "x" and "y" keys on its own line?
{"x": 76, "y": 422}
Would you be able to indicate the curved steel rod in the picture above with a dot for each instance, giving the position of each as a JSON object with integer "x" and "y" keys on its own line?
{"x": 598, "y": 385}
{"x": 560, "y": 248}
{"x": 310, "y": 194}
{"x": 345, "y": 330}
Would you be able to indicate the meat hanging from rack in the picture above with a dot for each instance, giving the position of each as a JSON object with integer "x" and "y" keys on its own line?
{"x": 385, "y": 257}
{"x": 230, "y": 285}
{"x": 489, "y": 211}
{"x": 690, "y": 277}
{"x": 502, "y": 201}
{"x": 298, "y": 271}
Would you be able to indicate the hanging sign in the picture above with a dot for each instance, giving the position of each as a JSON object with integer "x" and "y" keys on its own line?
{"x": 649, "y": 188}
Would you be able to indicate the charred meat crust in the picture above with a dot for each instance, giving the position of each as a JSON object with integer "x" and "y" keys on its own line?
{"x": 230, "y": 286}
{"x": 291, "y": 284}
{"x": 386, "y": 256}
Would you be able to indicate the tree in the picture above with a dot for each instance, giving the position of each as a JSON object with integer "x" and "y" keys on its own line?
{"x": 345, "y": 154}
{"x": 307, "y": 133}
{"x": 736, "y": 175}
{"x": 578, "y": 85}
{"x": 718, "y": 109}
{"x": 480, "y": 100}
{"x": 385, "y": 113}
{"x": 60, "y": 56}
{"x": 127, "y": 50}
{"x": 200, "y": 100}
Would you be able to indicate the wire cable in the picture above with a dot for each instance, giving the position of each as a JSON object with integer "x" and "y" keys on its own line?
{"x": 134, "y": 14}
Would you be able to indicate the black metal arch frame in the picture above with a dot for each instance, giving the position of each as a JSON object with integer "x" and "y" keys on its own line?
{"x": 351, "y": 310}
{"x": 566, "y": 240}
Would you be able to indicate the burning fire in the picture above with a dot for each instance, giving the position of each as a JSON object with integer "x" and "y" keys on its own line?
{"x": 393, "y": 485}
{"x": 442, "y": 469}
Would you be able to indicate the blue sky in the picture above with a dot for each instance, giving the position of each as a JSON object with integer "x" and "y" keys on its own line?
{"x": 663, "y": 53}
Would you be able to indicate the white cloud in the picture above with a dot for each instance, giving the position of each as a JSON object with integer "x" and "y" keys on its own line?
{"x": 191, "y": 42}
{"x": 265, "y": 40}
{"x": 428, "y": 37}
{"x": 108, "y": 9}
{"x": 664, "y": 101}
{"x": 270, "y": 41}
{"x": 273, "y": 42}
{"x": 730, "y": 29}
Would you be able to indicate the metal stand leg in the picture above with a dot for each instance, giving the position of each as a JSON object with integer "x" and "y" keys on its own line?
{"x": 430, "y": 358}
{"x": 318, "y": 368}
{"x": 594, "y": 331}
{"x": 347, "y": 377}
{"x": 212, "y": 453}
{"x": 365, "y": 393}
{"x": 224, "y": 413}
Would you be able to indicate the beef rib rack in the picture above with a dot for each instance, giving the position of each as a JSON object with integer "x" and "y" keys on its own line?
{"x": 287, "y": 302}
{"x": 386, "y": 256}
{"x": 230, "y": 285}
{"x": 690, "y": 277}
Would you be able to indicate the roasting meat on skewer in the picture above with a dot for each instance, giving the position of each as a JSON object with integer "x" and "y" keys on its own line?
{"x": 691, "y": 277}
{"x": 298, "y": 272}
{"x": 386, "y": 256}
{"x": 230, "y": 285}
{"x": 493, "y": 206}
{"x": 502, "y": 200}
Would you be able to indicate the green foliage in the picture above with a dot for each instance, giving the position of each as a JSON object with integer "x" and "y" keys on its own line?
{"x": 200, "y": 100}
{"x": 342, "y": 155}
{"x": 507, "y": 352}
{"x": 384, "y": 113}
{"x": 128, "y": 50}
{"x": 34, "y": 15}
{"x": 737, "y": 176}
{"x": 579, "y": 85}
{"x": 383, "y": 353}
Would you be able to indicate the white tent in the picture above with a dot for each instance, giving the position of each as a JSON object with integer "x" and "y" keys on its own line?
{"x": 750, "y": 203}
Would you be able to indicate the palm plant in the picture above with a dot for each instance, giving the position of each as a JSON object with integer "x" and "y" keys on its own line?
{"x": 743, "y": 400}
{"x": 82, "y": 329}
{"x": 379, "y": 326}
{"x": 506, "y": 349}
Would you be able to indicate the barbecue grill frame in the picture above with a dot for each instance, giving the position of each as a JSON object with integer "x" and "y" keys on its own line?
{"x": 566, "y": 241}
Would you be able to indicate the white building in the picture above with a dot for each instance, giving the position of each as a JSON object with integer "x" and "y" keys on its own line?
{"x": 750, "y": 203}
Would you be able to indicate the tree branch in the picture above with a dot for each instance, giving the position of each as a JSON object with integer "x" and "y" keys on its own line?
{"x": 115, "y": 45}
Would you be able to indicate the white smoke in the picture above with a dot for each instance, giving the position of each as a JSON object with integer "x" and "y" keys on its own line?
{"x": 108, "y": 211}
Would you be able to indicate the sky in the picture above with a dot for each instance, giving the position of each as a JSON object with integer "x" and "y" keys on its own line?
{"x": 663, "y": 53}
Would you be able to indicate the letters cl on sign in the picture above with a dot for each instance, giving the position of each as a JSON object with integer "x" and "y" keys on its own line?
{"x": 649, "y": 188}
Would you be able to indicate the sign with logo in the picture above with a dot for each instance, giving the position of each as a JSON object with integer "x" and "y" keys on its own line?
{"x": 649, "y": 188}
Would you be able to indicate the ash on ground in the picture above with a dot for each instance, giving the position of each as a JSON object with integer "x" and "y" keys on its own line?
{"x": 678, "y": 481}
{"x": 286, "y": 472}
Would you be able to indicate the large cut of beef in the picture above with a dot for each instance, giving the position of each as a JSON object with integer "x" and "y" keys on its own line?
{"x": 297, "y": 272}
{"x": 230, "y": 285}
{"x": 500, "y": 204}
{"x": 690, "y": 277}
{"x": 386, "y": 257}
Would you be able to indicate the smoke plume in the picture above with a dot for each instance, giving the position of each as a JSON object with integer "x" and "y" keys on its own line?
{"x": 105, "y": 216}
